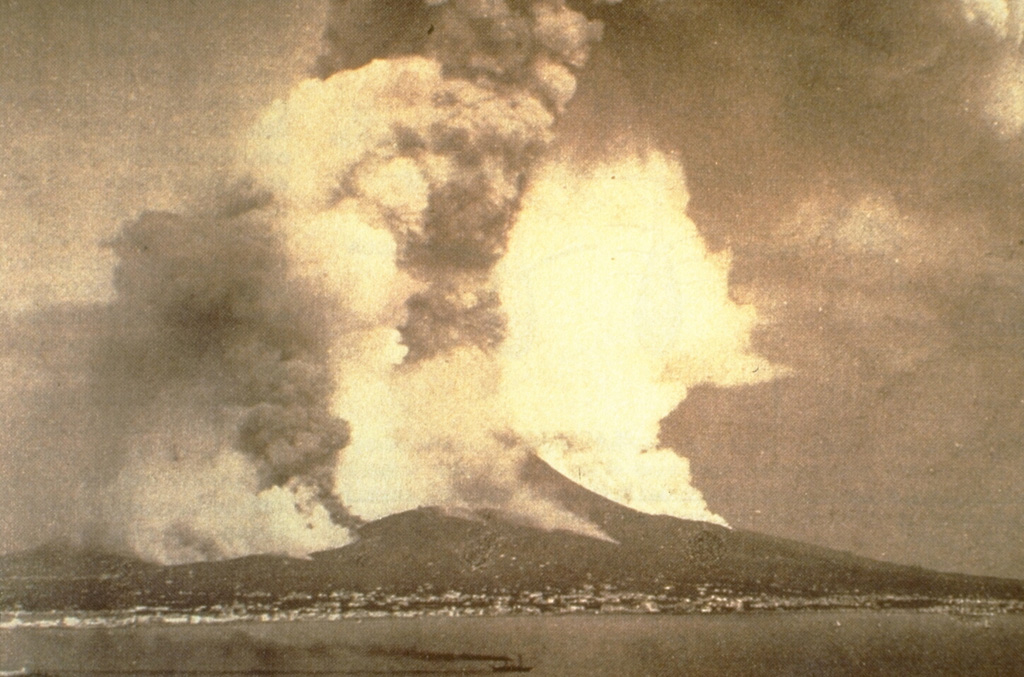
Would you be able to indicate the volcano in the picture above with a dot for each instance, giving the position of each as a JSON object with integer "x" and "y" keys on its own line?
{"x": 428, "y": 555}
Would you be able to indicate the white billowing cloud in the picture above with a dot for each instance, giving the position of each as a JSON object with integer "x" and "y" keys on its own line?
{"x": 656, "y": 481}
{"x": 304, "y": 147}
{"x": 614, "y": 305}
{"x": 344, "y": 135}
{"x": 397, "y": 186}
{"x": 557, "y": 82}
{"x": 356, "y": 162}
{"x": 615, "y": 308}
{"x": 566, "y": 33}
{"x": 347, "y": 249}
{"x": 417, "y": 429}
{"x": 185, "y": 509}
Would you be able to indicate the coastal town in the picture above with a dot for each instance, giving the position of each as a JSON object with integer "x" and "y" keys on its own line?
{"x": 338, "y": 605}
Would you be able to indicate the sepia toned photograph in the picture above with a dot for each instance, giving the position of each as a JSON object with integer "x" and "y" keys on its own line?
{"x": 627, "y": 338}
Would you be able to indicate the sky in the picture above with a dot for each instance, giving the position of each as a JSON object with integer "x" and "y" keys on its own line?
{"x": 833, "y": 342}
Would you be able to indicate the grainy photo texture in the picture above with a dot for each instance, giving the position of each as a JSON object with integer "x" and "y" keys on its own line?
{"x": 580, "y": 337}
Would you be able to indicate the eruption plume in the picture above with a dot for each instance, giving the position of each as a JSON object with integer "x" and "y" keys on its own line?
{"x": 615, "y": 309}
{"x": 219, "y": 362}
{"x": 414, "y": 296}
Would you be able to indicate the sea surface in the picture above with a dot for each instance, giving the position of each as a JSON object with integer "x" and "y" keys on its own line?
{"x": 787, "y": 643}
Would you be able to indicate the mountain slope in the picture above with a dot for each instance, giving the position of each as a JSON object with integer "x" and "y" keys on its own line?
{"x": 487, "y": 552}
{"x": 429, "y": 550}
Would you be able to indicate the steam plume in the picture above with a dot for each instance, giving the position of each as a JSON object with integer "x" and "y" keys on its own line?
{"x": 427, "y": 155}
{"x": 413, "y": 298}
{"x": 437, "y": 151}
{"x": 448, "y": 287}
{"x": 615, "y": 309}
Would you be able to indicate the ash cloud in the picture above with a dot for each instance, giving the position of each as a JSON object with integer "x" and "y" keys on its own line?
{"x": 208, "y": 300}
{"x": 770, "y": 103}
{"x": 344, "y": 306}
{"x": 852, "y": 172}
{"x": 438, "y": 145}
{"x": 417, "y": 295}
{"x": 862, "y": 163}
{"x": 190, "y": 416}
{"x": 382, "y": 322}
{"x": 440, "y": 139}
{"x": 216, "y": 350}
{"x": 430, "y": 152}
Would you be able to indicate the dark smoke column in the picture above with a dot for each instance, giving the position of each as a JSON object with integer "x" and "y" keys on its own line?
{"x": 506, "y": 71}
{"x": 214, "y": 346}
{"x": 399, "y": 175}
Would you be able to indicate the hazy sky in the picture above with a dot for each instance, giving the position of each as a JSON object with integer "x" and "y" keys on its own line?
{"x": 111, "y": 107}
{"x": 863, "y": 164}
{"x": 106, "y": 109}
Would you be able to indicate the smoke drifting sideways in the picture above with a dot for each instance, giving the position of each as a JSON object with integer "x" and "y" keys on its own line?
{"x": 410, "y": 298}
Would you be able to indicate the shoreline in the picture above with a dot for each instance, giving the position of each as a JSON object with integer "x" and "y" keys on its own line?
{"x": 968, "y": 610}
